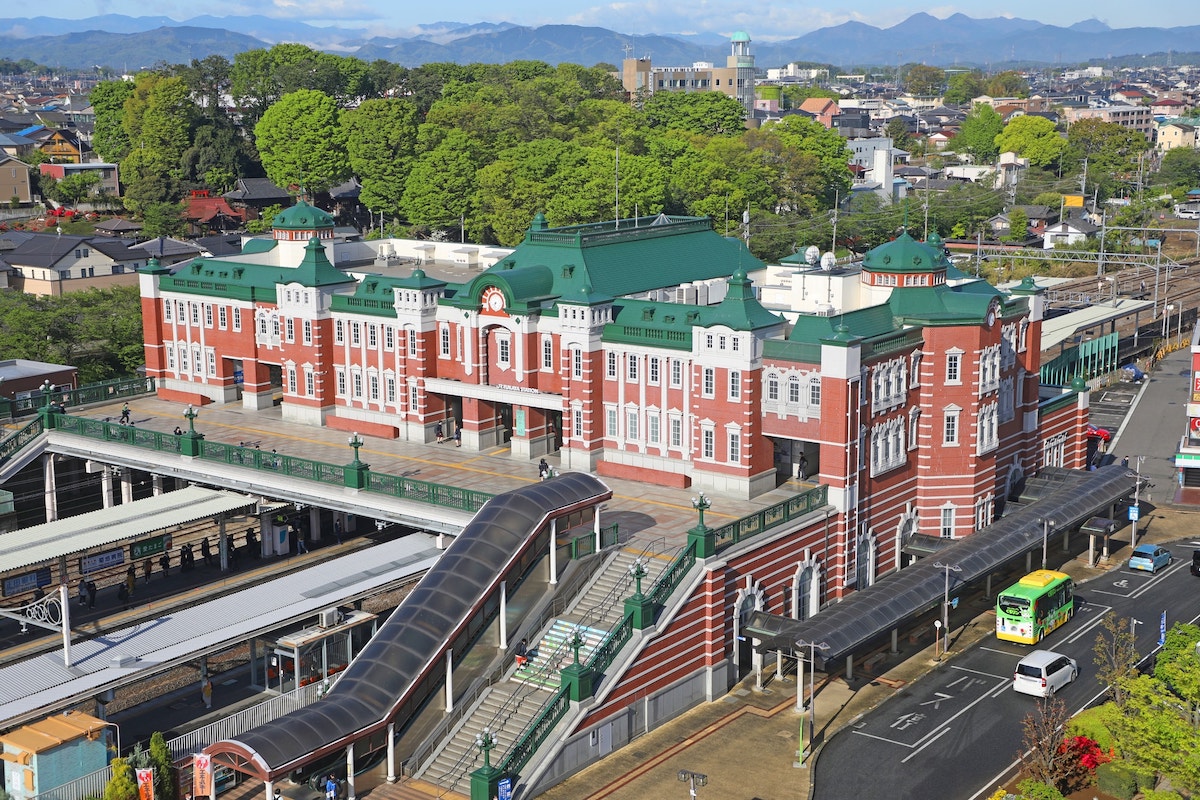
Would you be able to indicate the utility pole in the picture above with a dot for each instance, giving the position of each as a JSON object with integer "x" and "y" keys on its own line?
{"x": 837, "y": 200}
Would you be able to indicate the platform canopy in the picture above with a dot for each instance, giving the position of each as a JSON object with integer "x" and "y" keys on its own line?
{"x": 43, "y": 544}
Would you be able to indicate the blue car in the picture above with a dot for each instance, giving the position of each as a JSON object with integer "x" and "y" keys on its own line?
{"x": 1150, "y": 558}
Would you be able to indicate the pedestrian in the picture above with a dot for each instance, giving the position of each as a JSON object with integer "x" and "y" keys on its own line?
{"x": 301, "y": 547}
{"x": 543, "y": 470}
{"x": 1143, "y": 287}
{"x": 331, "y": 788}
{"x": 439, "y": 432}
{"x": 1125, "y": 462}
{"x": 91, "y": 590}
{"x": 522, "y": 653}
{"x": 130, "y": 579}
{"x": 458, "y": 437}
{"x": 82, "y": 593}
{"x": 38, "y": 594}
{"x": 337, "y": 530}
{"x": 123, "y": 595}
{"x": 206, "y": 552}
{"x": 178, "y": 431}
{"x": 147, "y": 566}
{"x": 206, "y": 691}
{"x": 125, "y": 414}
{"x": 164, "y": 563}
{"x": 803, "y": 465}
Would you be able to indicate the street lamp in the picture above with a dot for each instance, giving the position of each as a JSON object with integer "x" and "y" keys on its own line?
{"x": 701, "y": 503}
{"x": 638, "y": 570}
{"x": 355, "y": 442}
{"x": 116, "y": 728}
{"x": 485, "y": 741}
{"x": 946, "y": 602}
{"x": 46, "y": 387}
{"x": 812, "y": 697}
{"x": 1113, "y": 280}
{"x": 693, "y": 779}
{"x": 1047, "y": 524}
{"x": 191, "y": 415}
{"x": 1167, "y": 319}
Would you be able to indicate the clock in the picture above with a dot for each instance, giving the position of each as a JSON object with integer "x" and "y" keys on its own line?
{"x": 991, "y": 314}
{"x": 493, "y": 299}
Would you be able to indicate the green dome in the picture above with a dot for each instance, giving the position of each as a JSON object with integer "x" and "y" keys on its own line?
{"x": 302, "y": 217}
{"x": 904, "y": 254}
{"x": 740, "y": 36}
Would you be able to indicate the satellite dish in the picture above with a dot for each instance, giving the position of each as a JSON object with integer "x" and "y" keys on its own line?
{"x": 812, "y": 255}
{"x": 828, "y": 262}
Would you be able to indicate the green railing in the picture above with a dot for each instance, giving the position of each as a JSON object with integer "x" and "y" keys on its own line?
{"x": 524, "y": 748}
{"x": 10, "y": 446}
{"x": 425, "y": 492}
{"x": 291, "y": 466}
{"x": 99, "y": 430}
{"x": 606, "y": 652}
{"x": 784, "y": 511}
{"x": 104, "y": 392}
{"x": 585, "y": 544}
{"x": 672, "y": 576}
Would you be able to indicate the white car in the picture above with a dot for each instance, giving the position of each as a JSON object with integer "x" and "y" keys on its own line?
{"x": 1044, "y": 672}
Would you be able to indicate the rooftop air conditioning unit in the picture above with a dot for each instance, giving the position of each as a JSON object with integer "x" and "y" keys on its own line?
{"x": 328, "y": 618}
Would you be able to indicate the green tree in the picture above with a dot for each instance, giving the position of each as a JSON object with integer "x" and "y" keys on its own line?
{"x": 896, "y": 129}
{"x": 123, "y": 783}
{"x": 808, "y": 162}
{"x": 164, "y": 768}
{"x": 163, "y": 219}
{"x": 1034, "y": 138}
{"x": 208, "y": 79}
{"x": 963, "y": 87}
{"x": 920, "y": 79}
{"x": 1181, "y": 168}
{"x": 1008, "y": 84}
{"x": 158, "y": 119}
{"x": 1107, "y": 146}
{"x": 302, "y": 142}
{"x": 1018, "y": 225}
{"x": 110, "y": 140}
{"x": 723, "y": 176}
{"x": 1177, "y": 664}
{"x": 380, "y": 138}
{"x": 977, "y": 137}
{"x": 73, "y": 188}
{"x": 709, "y": 113}
{"x": 1156, "y": 734}
{"x": 441, "y": 188}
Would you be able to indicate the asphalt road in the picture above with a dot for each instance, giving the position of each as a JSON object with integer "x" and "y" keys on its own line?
{"x": 956, "y": 732}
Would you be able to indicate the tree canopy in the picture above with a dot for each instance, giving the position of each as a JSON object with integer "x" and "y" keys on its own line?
{"x": 1034, "y": 138}
{"x": 979, "y": 132}
{"x": 302, "y": 142}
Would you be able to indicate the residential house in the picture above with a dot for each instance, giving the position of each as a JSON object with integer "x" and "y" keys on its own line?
{"x": 822, "y": 109}
{"x": 59, "y": 146}
{"x": 206, "y": 214}
{"x": 110, "y": 182}
{"x": 1138, "y": 118}
{"x": 15, "y": 183}
{"x": 49, "y": 264}
{"x": 15, "y": 145}
{"x": 1175, "y": 134}
{"x": 254, "y": 195}
{"x": 1069, "y": 231}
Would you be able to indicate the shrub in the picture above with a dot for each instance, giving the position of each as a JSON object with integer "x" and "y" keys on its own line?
{"x": 1160, "y": 794}
{"x": 1096, "y": 724}
{"x": 1035, "y": 790}
{"x": 1082, "y": 757}
{"x": 1116, "y": 779}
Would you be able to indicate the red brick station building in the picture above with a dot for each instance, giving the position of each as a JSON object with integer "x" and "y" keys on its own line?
{"x": 652, "y": 349}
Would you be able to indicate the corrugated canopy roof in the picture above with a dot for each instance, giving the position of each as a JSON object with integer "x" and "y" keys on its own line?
{"x": 1070, "y": 498}
{"x": 64, "y": 537}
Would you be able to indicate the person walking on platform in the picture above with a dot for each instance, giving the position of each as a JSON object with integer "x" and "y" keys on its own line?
{"x": 206, "y": 552}
{"x": 206, "y": 691}
{"x": 83, "y": 593}
{"x": 147, "y": 567}
{"x": 125, "y": 414}
{"x": 123, "y": 595}
{"x": 440, "y": 432}
{"x": 331, "y": 788}
{"x": 130, "y": 579}
{"x": 164, "y": 563}
{"x": 91, "y": 590}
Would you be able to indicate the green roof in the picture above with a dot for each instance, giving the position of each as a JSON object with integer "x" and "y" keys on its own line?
{"x": 906, "y": 254}
{"x": 599, "y": 261}
{"x": 247, "y": 281}
{"x": 740, "y": 310}
{"x": 302, "y": 217}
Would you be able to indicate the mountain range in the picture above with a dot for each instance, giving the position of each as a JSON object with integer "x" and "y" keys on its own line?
{"x": 127, "y": 43}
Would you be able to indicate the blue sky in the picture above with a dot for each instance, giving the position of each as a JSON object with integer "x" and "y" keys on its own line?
{"x": 761, "y": 20}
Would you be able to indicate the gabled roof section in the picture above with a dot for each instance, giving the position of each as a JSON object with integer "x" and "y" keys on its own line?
{"x": 526, "y": 289}
{"x": 243, "y": 280}
{"x": 864, "y": 323}
{"x": 740, "y": 310}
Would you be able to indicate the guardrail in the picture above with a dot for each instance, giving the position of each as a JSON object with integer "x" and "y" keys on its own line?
{"x": 10, "y": 446}
{"x": 103, "y": 392}
{"x": 753, "y": 524}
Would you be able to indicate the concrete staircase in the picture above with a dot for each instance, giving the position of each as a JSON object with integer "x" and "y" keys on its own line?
{"x": 508, "y": 709}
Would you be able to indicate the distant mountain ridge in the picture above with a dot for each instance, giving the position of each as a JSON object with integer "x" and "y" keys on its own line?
{"x": 120, "y": 42}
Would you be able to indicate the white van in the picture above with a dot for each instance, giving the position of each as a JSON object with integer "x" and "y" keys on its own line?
{"x": 1187, "y": 210}
{"x": 1044, "y": 672}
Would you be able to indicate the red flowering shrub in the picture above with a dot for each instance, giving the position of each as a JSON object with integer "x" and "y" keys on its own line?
{"x": 1081, "y": 756}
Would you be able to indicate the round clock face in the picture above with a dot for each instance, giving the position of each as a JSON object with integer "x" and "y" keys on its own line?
{"x": 991, "y": 318}
{"x": 494, "y": 300}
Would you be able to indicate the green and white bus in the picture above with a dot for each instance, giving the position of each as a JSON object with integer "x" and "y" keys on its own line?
{"x": 1034, "y": 606}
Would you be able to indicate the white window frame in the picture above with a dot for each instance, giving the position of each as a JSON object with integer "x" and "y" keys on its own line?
{"x": 951, "y": 426}
{"x": 946, "y": 522}
{"x": 610, "y": 365}
{"x": 708, "y": 382}
{"x": 443, "y": 340}
{"x": 547, "y": 352}
{"x": 735, "y": 384}
{"x": 954, "y": 367}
